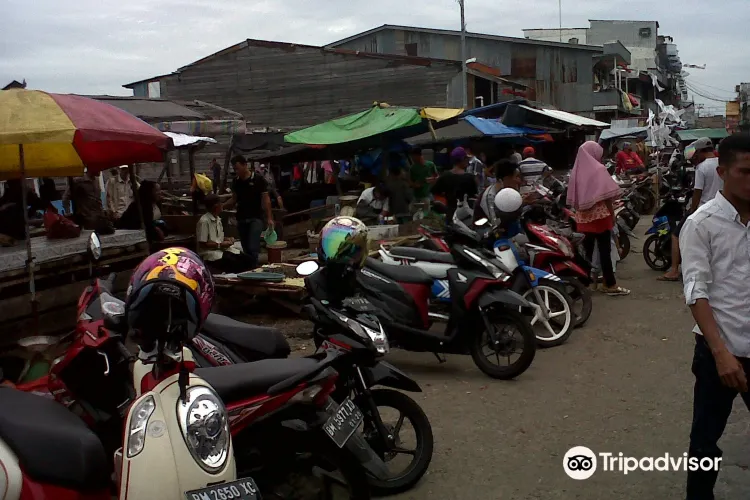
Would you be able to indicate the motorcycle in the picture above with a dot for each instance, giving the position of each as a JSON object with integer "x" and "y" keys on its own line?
{"x": 481, "y": 320}
{"x": 177, "y": 441}
{"x": 295, "y": 392}
{"x": 657, "y": 249}
{"x": 535, "y": 285}
{"x": 225, "y": 341}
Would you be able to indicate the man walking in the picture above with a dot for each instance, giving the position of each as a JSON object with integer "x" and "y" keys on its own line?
{"x": 456, "y": 184}
{"x": 532, "y": 170}
{"x": 250, "y": 195}
{"x": 707, "y": 184}
{"x": 216, "y": 174}
{"x": 119, "y": 193}
{"x": 716, "y": 270}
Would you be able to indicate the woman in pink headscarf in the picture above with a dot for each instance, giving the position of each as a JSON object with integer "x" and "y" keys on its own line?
{"x": 591, "y": 192}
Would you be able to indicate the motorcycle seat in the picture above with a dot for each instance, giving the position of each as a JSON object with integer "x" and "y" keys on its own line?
{"x": 422, "y": 254}
{"x": 257, "y": 341}
{"x": 245, "y": 380}
{"x": 53, "y": 445}
{"x": 403, "y": 274}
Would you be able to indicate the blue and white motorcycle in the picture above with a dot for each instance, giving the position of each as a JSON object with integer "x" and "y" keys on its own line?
{"x": 553, "y": 319}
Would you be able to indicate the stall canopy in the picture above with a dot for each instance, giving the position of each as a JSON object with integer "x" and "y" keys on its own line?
{"x": 184, "y": 140}
{"x": 569, "y": 118}
{"x": 697, "y": 133}
{"x": 495, "y": 128}
{"x": 376, "y": 121}
{"x": 615, "y": 133}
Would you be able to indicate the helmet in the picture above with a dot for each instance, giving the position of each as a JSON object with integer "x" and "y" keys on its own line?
{"x": 171, "y": 287}
{"x": 343, "y": 241}
{"x": 508, "y": 200}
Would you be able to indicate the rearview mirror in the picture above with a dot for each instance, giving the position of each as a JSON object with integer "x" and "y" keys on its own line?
{"x": 95, "y": 247}
{"x": 481, "y": 222}
{"x": 307, "y": 268}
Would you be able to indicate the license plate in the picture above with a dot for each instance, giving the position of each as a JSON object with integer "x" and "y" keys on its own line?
{"x": 344, "y": 421}
{"x": 242, "y": 489}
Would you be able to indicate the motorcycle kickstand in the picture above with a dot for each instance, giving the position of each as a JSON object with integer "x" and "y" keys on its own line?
{"x": 440, "y": 357}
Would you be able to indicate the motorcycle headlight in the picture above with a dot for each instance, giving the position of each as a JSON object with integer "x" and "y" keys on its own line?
{"x": 141, "y": 412}
{"x": 205, "y": 427}
{"x": 378, "y": 337}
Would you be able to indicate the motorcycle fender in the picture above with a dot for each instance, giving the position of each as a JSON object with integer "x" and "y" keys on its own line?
{"x": 541, "y": 274}
{"x": 507, "y": 297}
{"x": 387, "y": 375}
{"x": 651, "y": 230}
{"x": 11, "y": 475}
{"x": 563, "y": 266}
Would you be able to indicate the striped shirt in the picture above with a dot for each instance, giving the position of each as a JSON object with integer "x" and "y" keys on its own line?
{"x": 531, "y": 172}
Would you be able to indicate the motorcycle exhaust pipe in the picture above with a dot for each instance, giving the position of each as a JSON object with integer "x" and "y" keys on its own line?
{"x": 437, "y": 316}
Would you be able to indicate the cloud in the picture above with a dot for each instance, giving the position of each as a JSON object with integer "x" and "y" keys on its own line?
{"x": 93, "y": 47}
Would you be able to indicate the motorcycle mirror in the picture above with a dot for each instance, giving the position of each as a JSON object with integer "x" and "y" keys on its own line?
{"x": 481, "y": 222}
{"x": 307, "y": 268}
{"x": 95, "y": 247}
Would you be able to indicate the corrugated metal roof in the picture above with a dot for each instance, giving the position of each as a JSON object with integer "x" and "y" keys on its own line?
{"x": 437, "y": 31}
{"x": 564, "y": 116}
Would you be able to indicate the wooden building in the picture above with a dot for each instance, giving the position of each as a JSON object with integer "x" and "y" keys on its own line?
{"x": 287, "y": 86}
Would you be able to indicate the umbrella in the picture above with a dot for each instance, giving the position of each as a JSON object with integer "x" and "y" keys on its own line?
{"x": 58, "y": 135}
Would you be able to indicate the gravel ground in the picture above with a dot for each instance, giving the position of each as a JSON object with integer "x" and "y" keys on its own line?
{"x": 620, "y": 384}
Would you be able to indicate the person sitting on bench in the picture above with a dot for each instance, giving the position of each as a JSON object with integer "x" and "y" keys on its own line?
{"x": 212, "y": 244}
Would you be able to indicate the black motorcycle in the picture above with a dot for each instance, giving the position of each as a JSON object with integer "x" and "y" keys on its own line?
{"x": 353, "y": 334}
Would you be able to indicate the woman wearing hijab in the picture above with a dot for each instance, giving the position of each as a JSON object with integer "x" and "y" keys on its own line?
{"x": 591, "y": 192}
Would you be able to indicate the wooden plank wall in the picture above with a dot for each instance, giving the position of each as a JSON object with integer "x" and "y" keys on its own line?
{"x": 281, "y": 85}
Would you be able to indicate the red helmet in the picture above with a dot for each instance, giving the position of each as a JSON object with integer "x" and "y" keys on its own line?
{"x": 169, "y": 287}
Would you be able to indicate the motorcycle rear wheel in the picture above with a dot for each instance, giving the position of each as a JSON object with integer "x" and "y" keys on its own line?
{"x": 653, "y": 255}
{"x": 506, "y": 318}
{"x": 561, "y": 298}
{"x": 648, "y": 202}
{"x": 623, "y": 245}
{"x": 582, "y": 303}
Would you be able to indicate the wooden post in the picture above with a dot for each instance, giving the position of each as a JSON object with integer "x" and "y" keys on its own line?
{"x": 29, "y": 255}
{"x": 165, "y": 169}
{"x": 227, "y": 158}
{"x": 136, "y": 198}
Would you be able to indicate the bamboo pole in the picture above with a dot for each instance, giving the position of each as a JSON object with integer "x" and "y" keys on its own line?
{"x": 29, "y": 256}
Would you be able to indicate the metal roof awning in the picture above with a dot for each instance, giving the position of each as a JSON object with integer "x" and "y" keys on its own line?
{"x": 697, "y": 133}
{"x": 570, "y": 118}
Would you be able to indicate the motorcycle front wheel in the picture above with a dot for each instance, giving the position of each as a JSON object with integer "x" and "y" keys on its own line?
{"x": 409, "y": 436}
{"x": 653, "y": 254}
{"x": 515, "y": 337}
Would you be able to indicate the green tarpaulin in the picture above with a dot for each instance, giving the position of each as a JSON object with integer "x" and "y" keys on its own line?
{"x": 697, "y": 133}
{"x": 374, "y": 121}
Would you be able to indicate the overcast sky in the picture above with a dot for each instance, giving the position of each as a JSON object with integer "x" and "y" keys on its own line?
{"x": 95, "y": 46}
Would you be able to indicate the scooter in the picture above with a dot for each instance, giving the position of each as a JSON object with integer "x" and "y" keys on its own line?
{"x": 657, "y": 249}
{"x": 176, "y": 445}
{"x": 481, "y": 320}
{"x": 552, "y": 327}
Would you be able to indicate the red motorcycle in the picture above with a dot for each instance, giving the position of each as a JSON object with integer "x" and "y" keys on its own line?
{"x": 91, "y": 379}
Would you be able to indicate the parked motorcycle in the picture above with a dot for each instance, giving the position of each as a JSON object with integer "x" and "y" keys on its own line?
{"x": 657, "y": 249}
{"x": 177, "y": 442}
{"x": 225, "y": 341}
{"x": 484, "y": 323}
{"x": 552, "y": 320}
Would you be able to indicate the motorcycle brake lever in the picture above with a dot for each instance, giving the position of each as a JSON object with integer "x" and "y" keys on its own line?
{"x": 106, "y": 362}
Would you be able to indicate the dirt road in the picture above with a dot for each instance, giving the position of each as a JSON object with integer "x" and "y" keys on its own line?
{"x": 621, "y": 384}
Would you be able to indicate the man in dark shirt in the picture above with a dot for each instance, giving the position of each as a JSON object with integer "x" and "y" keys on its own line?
{"x": 455, "y": 184}
{"x": 400, "y": 194}
{"x": 250, "y": 195}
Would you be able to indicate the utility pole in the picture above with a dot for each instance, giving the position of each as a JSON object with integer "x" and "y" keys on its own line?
{"x": 559, "y": 6}
{"x": 464, "y": 75}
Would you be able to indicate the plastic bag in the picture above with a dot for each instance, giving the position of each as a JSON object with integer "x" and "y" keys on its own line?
{"x": 204, "y": 183}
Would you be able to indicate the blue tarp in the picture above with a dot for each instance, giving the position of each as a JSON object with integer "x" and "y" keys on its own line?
{"x": 496, "y": 129}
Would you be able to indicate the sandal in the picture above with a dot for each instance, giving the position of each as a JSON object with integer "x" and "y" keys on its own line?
{"x": 616, "y": 291}
{"x": 664, "y": 277}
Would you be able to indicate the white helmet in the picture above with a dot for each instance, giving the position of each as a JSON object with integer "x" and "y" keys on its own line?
{"x": 508, "y": 200}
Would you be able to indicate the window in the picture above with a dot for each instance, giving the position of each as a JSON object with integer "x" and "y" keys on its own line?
{"x": 154, "y": 90}
{"x": 411, "y": 49}
{"x": 645, "y": 32}
{"x": 573, "y": 40}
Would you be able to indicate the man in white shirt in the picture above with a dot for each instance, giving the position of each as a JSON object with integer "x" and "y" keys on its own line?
{"x": 212, "y": 244}
{"x": 119, "y": 193}
{"x": 707, "y": 184}
{"x": 715, "y": 243}
{"x": 372, "y": 202}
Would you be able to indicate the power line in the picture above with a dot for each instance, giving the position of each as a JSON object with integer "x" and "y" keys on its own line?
{"x": 712, "y": 87}
{"x": 703, "y": 90}
{"x": 710, "y": 98}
